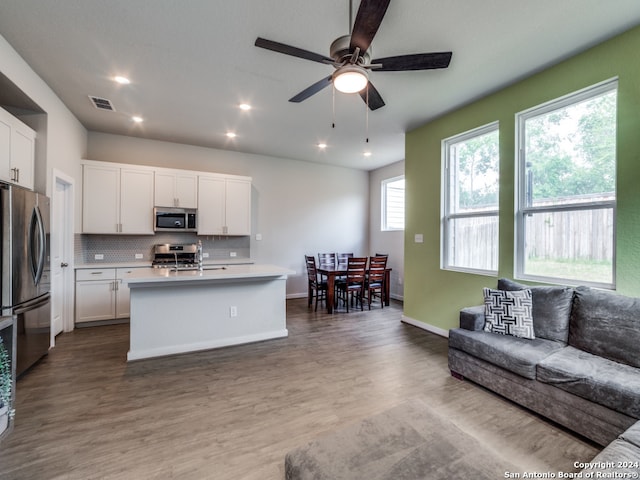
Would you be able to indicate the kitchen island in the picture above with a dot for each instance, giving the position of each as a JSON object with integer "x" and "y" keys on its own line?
{"x": 184, "y": 311}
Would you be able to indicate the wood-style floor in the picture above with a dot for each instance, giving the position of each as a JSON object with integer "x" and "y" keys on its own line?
{"x": 233, "y": 413}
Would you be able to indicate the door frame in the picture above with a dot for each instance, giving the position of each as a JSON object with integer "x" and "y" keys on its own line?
{"x": 67, "y": 236}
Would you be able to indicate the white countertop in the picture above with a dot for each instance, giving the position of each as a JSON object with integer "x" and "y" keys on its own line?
{"x": 160, "y": 276}
{"x": 147, "y": 264}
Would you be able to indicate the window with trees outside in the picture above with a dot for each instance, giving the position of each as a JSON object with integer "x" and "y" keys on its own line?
{"x": 470, "y": 201}
{"x": 565, "y": 221}
{"x": 393, "y": 203}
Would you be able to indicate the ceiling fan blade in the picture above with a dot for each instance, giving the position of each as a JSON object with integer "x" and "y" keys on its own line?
{"x": 416, "y": 61}
{"x": 368, "y": 19}
{"x": 312, "y": 90}
{"x": 375, "y": 100}
{"x": 293, "y": 51}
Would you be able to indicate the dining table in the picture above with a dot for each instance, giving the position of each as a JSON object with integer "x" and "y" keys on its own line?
{"x": 334, "y": 271}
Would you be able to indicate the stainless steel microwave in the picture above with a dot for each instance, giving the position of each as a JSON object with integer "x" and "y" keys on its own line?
{"x": 175, "y": 219}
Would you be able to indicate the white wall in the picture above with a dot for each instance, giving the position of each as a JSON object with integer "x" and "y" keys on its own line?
{"x": 386, "y": 242}
{"x": 298, "y": 207}
{"x": 66, "y": 138}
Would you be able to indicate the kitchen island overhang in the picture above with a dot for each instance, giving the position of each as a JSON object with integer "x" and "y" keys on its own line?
{"x": 176, "y": 312}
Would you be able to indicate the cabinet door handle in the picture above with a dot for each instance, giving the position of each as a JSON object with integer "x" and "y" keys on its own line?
{"x": 14, "y": 174}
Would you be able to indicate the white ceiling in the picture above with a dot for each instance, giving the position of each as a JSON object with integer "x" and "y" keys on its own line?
{"x": 191, "y": 63}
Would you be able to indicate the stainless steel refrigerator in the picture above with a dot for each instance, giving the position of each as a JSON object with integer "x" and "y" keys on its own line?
{"x": 25, "y": 271}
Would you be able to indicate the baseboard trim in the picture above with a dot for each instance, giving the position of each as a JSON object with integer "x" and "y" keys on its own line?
{"x": 425, "y": 326}
{"x": 291, "y": 296}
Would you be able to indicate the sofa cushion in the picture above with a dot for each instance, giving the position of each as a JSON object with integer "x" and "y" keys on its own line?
{"x": 518, "y": 355}
{"x": 632, "y": 434}
{"x": 606, "y": 324}
{"x": 614, "y": 385}
{"x": 551, "y": 308}
{"x": 619, "y": 460}
{"x": 508, "y": 313}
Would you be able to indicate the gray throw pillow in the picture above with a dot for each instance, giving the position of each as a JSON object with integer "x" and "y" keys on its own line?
{"x": 508, "y": 313}
{"x": 551, "y": 308}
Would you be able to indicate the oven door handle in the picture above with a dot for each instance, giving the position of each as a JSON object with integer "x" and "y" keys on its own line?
{"x": 33, "y": 304}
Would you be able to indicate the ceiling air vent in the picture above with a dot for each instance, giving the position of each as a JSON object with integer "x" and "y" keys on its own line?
{"x": 102, "y": 103}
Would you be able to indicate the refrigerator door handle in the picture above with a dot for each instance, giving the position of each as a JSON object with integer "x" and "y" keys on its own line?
{"x": 32, "y": 304}
{"x": 37, "y": 257}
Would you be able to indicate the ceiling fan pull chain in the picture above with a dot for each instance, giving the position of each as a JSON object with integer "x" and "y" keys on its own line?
{"x": 333, "y": 106}
{"x": 367, "y": 114}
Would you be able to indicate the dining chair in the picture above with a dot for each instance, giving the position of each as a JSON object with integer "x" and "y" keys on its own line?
{"x": 375, "y": 279}
{"x": 327, "y": 259}
{"x": 343, "y": 258}
{"x": 354, "y": 283}
{"x": 317, "y": 288}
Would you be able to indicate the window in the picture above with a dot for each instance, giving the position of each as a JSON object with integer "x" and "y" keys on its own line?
{"x": 566, "y": 188}
{"x": 393, "y": 204}
{"x": 470, "y": 201}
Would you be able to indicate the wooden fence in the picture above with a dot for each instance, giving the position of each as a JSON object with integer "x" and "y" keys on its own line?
{"x": 579, "y": 234}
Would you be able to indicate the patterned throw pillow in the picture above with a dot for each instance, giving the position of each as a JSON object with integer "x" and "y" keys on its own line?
{"x": 508, "y": 313}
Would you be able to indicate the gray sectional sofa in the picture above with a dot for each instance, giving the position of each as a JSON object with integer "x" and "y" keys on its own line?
{"x": 582, "y": 369}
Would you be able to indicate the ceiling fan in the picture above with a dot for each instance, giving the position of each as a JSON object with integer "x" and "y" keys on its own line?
{"x": 351, "y": 58}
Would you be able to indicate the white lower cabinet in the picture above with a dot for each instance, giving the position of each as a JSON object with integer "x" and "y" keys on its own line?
{"x": 102, "y": 294}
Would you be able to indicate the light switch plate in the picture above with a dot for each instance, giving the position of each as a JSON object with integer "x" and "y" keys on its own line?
{"x": 98, "y": 256}
{"x": 418, "y": 238}
{"x": 258, "y": 236}
{"x": 233, "y": 254}
{"x": 139, "y": 256}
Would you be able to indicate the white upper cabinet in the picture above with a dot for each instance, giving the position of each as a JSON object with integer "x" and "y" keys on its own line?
{"x": 238, "y": 207}
{"x": 136, "y": 201}
{"x": 176, "y": 188}
{"x": 117, "y": 198}
{"x": 224, "y": 205}
{"x": 17, "y": 151}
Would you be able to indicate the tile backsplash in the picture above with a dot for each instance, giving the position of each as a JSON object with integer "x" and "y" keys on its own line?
{"x": 123, "y": 248}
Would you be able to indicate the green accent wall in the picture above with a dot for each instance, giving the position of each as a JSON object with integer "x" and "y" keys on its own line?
{"x": 435, "y": 296}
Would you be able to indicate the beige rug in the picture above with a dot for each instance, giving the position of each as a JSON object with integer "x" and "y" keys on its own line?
{"x": 408, "y": 441}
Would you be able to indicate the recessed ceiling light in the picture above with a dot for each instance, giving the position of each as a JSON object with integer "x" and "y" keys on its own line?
{"x": 367, "y": 154}
{"x": 137, "y": 119}
{"x": 231, "y": 135}
{"x": 122, "y": 80}
{"x": 322, "y": 145}
{"x": 244, "y": 106}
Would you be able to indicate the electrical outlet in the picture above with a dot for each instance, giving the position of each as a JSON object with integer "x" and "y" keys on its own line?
{"x": 99, "y": 256}
{"x": 233, "y": 254}
{"x": 139, "y": 256}
{"x": 258, "y": 236}
{"x": 233, "y": 311}
{"x": 205, "y": 254}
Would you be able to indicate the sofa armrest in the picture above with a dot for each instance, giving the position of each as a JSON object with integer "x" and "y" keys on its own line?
{"x": 472, "y": 318}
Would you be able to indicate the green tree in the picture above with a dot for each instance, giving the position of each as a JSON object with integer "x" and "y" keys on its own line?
{"x": 571, "y": 151}
{"x": 477, "y": 171}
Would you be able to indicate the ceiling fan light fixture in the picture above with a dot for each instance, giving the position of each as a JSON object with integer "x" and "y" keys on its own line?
{"x": 350, "y": 78}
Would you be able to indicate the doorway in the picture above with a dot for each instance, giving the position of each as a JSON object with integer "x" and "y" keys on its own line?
{"x": 62, "y": 216}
